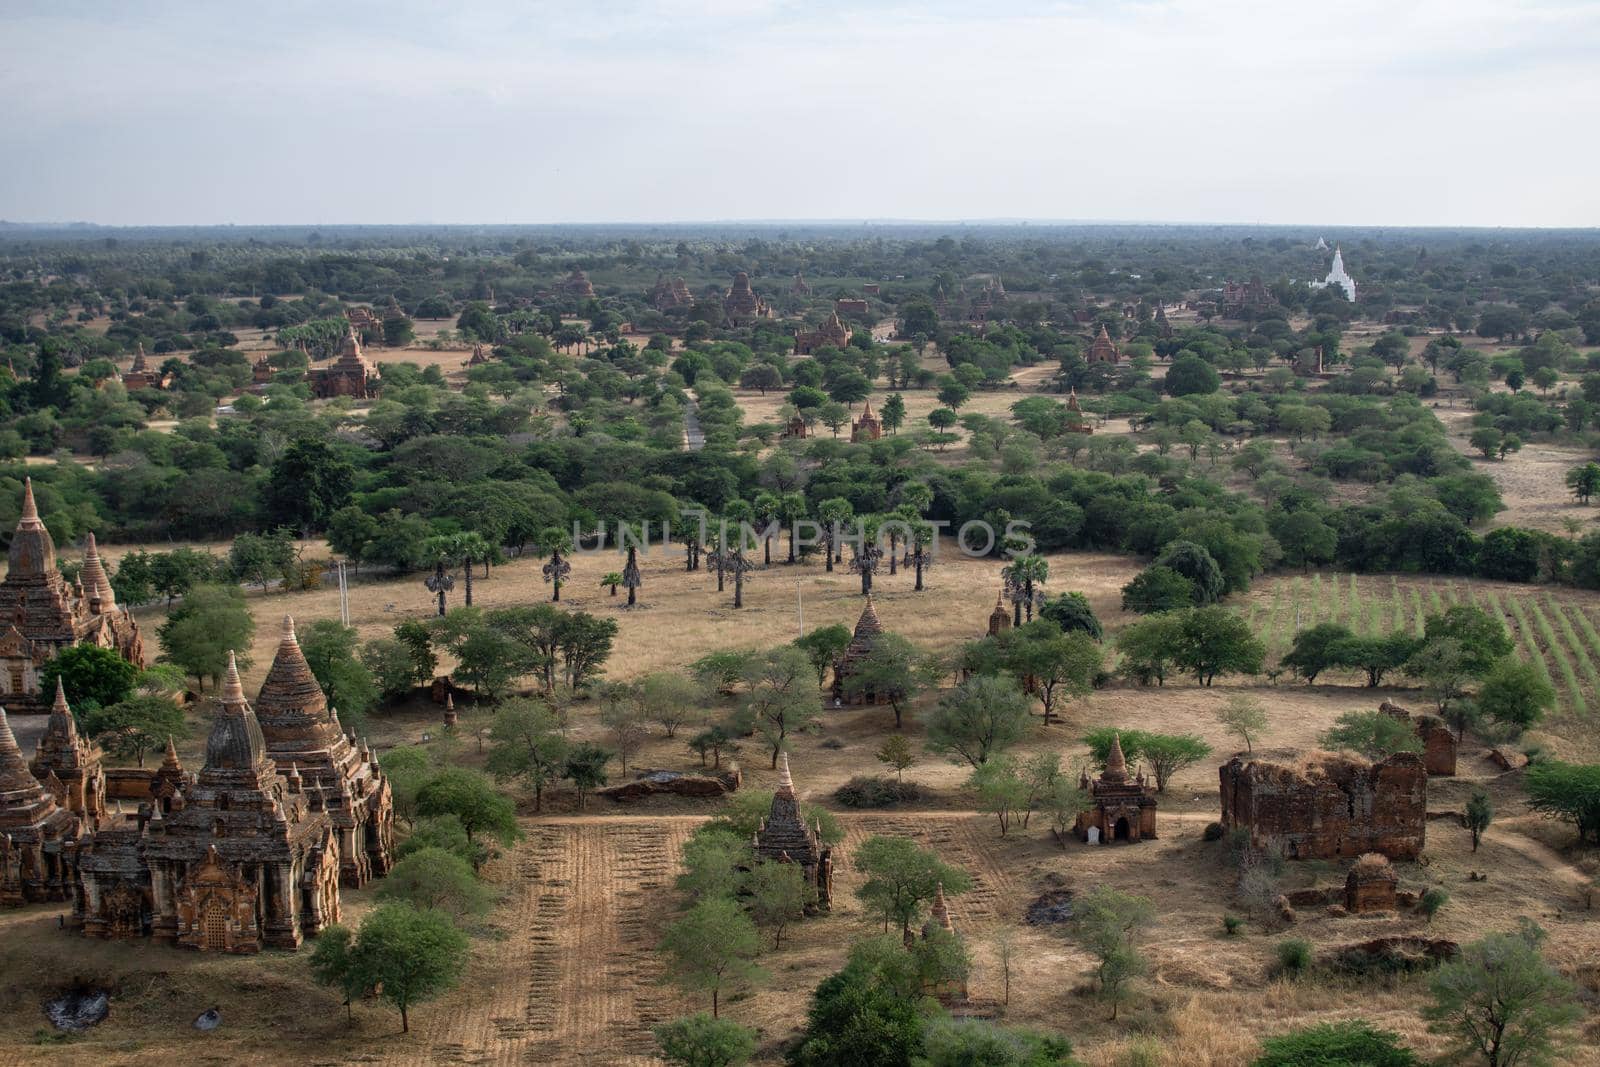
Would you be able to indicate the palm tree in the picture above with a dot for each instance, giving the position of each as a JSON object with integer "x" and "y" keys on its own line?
{"x": 472, "y": 547}
{"x": 791, "y": 509}
{"x": 441, "y": 552}
{"x": 766, "y": 507}
{"x": 556, "y": 541}
{"x": 1023, "y": 578}
{"x": 833, "y": 514}
{"x": 612, "y": 579}
{"x": 630, "y": 575}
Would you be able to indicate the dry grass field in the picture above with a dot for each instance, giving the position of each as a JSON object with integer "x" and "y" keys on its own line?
{"x": 568, "y": 974}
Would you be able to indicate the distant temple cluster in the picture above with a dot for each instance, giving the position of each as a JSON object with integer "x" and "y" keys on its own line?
{"x": 578, "y": 286}
{"x": 667, "y": 295}
{"x": 43, "y": 614}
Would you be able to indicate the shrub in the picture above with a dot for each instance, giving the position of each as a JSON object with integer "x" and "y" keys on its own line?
{"x": 1294, "y": 955}
{"x": 1212, "y": 832}
{"x": 1432, "y": 901}
{"x": 1231, "y": 925}
{"x": 1352, "y": 1042}
{"x": 866, "y": 791}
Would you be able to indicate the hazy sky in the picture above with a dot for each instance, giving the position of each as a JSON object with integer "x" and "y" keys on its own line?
{"x": 1439, "y": 112}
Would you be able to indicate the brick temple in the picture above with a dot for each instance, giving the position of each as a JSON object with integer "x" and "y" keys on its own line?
{"x": 784, "y": 837}
{"x": 831, "y": 334}
{"x": 1121, "y": 808}
{"x": 1329, "y": 806}
{"x": 351, "y": 374}
{"x": 741, "y": 305}
{"x": 43, "y": 614}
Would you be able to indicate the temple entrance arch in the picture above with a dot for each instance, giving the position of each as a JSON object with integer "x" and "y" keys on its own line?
{"x": 1122, "y": 832}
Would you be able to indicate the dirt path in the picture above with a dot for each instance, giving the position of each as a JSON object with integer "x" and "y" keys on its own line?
{"x": 694, "y": 438}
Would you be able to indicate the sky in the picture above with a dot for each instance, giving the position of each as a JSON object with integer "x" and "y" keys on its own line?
{"x": 1362, "y": 112}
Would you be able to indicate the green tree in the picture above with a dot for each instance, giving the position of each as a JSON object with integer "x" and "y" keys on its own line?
{"x": 307, "y": 484}
{"x": 408, "y": 956}
{"x": 1156, "y": 589}
{"x": 1196, "y": 564}
{"x": 777, "y": 896}
{"x": 1243, "y": 717}
{"x": 1483, "y": 638}
{"x": 712, "y": 948}
{"x": 700, "y": 1041}
{"x": 1584, "y": 481}
{"x": 331, "y": 965}
{"x": 1213, "y": 641}
{"x": 1001, "y": 790}
{"x": 261, "y": 559}
{"x": 899, "y": 878}
{"x": 980, "y": 718}
{"x": 1377, "y": 656}
{"x": 1500, "y": 1000}
{"x": 892, "y": 670}
{"x": 1149, "y": 648}
{"x": 893, "y": 412}
{"x": 585, "y": 768}
{"x": 896, "y": 752}
{"x": 330, "y": 648}
{"x": 971, "y": 1042}
{"x": 1479, "y": 814}
{"x": 1168, "y": 754}
{"x": 527, "y": 744}
{"x": 857, "y": 1019}
{"x": 473, "y": 799}
{"x": 438, "y": 879}
{"x": 1445, "y": 672}
{"x": 1072, "y": 612}
{"x": 200, "y": 632}
{"x": 1061, "y": 665}
{"x": 1329, "y": 1044}
{"x": 132, "y": 728}
{"x": 1514, "y": 693}
{"x": 779, "y": 699}
{"x": 823, "y": 645}
{"x": 1108, "y": 924}
{"x": 1569, "y": 791}
{"x": 91, "y": 675}
{"x": 1191, "y": 376}
{"x": 1374, "y": 734}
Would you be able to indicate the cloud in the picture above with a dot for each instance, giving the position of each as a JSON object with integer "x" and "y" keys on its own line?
{"x": 1225, "y": 110}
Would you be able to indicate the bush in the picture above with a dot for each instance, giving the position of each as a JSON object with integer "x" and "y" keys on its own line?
{"x": 1432, "y": 901}
{"x": 1212, "y": 832}
{"x": 865, "y": 791}
{"x": 1353, "y": 1042}
{"x": 1294, "y": 955}
{"x": 1231, "y": 925}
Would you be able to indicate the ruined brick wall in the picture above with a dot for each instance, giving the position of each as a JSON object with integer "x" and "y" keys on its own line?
{"x": 1331, "y": 807}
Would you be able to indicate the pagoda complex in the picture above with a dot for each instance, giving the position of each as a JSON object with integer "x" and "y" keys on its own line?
{"x": 140, "y": 376}
{"x": 69, "y": 765}
{"x": 862, "y": 641}
{"x": 303, "y": 737}
{"x": 867, "y": 427}
{"x": 1104, "y": 350}
{"x": 668, "y": 295}
{"x": 246, "y": 859}
{"x": 577, "y": 285}
{"x": 352, "y": 374}
{"x": 741, "y": 305}
{"x": 784, "y": 837}
{"x": 1120, "y": 808}
{"x": 831, "y": 334}
{"x": 36, "y": 834}
{"x": 42, "y": 614}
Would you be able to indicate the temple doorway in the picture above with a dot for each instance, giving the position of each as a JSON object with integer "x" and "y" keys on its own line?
{"x": 1121, "y": 833}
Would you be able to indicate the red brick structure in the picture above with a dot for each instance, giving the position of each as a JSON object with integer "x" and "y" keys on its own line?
{"x": 1104, "y": 350}
{"x": 863, "y": 641}
{"x": 352, "y": 374}
{"x": 797, "y": 427}
{"x": 741, "y": 305}
{"x": 850, "y": 306}
{"x": 867, "y": 427}
{"x": 1329, "y": 806}
{"x": 261, "y": 371}
{"x": 1371, "y": 886}
{"x": 668, "y": 295}
{"x": 36, "y": 834}
{"x": 364, "y": 322}
{"x": 70, "y": 765}
{"x": 999, "y": 618}
{"x": 1162, "y": 325}
{"x": 303, "y": 736}
{"x": 249, "y": 859}
{"x": 1438, "y": 741}
{"x": 831, "y": 334}
{"x": 1120, "y": 809}
{"x": 141, "y": 376}
{"x": 577, "y": 286}
{"x": 1249, "y": 298}
{"x": 40, "y": 614}
{"x": 871, "y": 288}
{"x": 939, "y": 924}
{"x": 783, "y": 837}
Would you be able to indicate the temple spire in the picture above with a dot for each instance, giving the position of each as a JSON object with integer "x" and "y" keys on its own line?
{"x": 1116, "y": 764}
{"x": 96, "y": 585}
{"x": 30, "y": 510}
{"x": 232, "y": 687}
{"x": 785, "y": 779}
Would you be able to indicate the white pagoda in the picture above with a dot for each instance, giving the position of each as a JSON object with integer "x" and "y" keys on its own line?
{"x": 1337, "y": 276}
